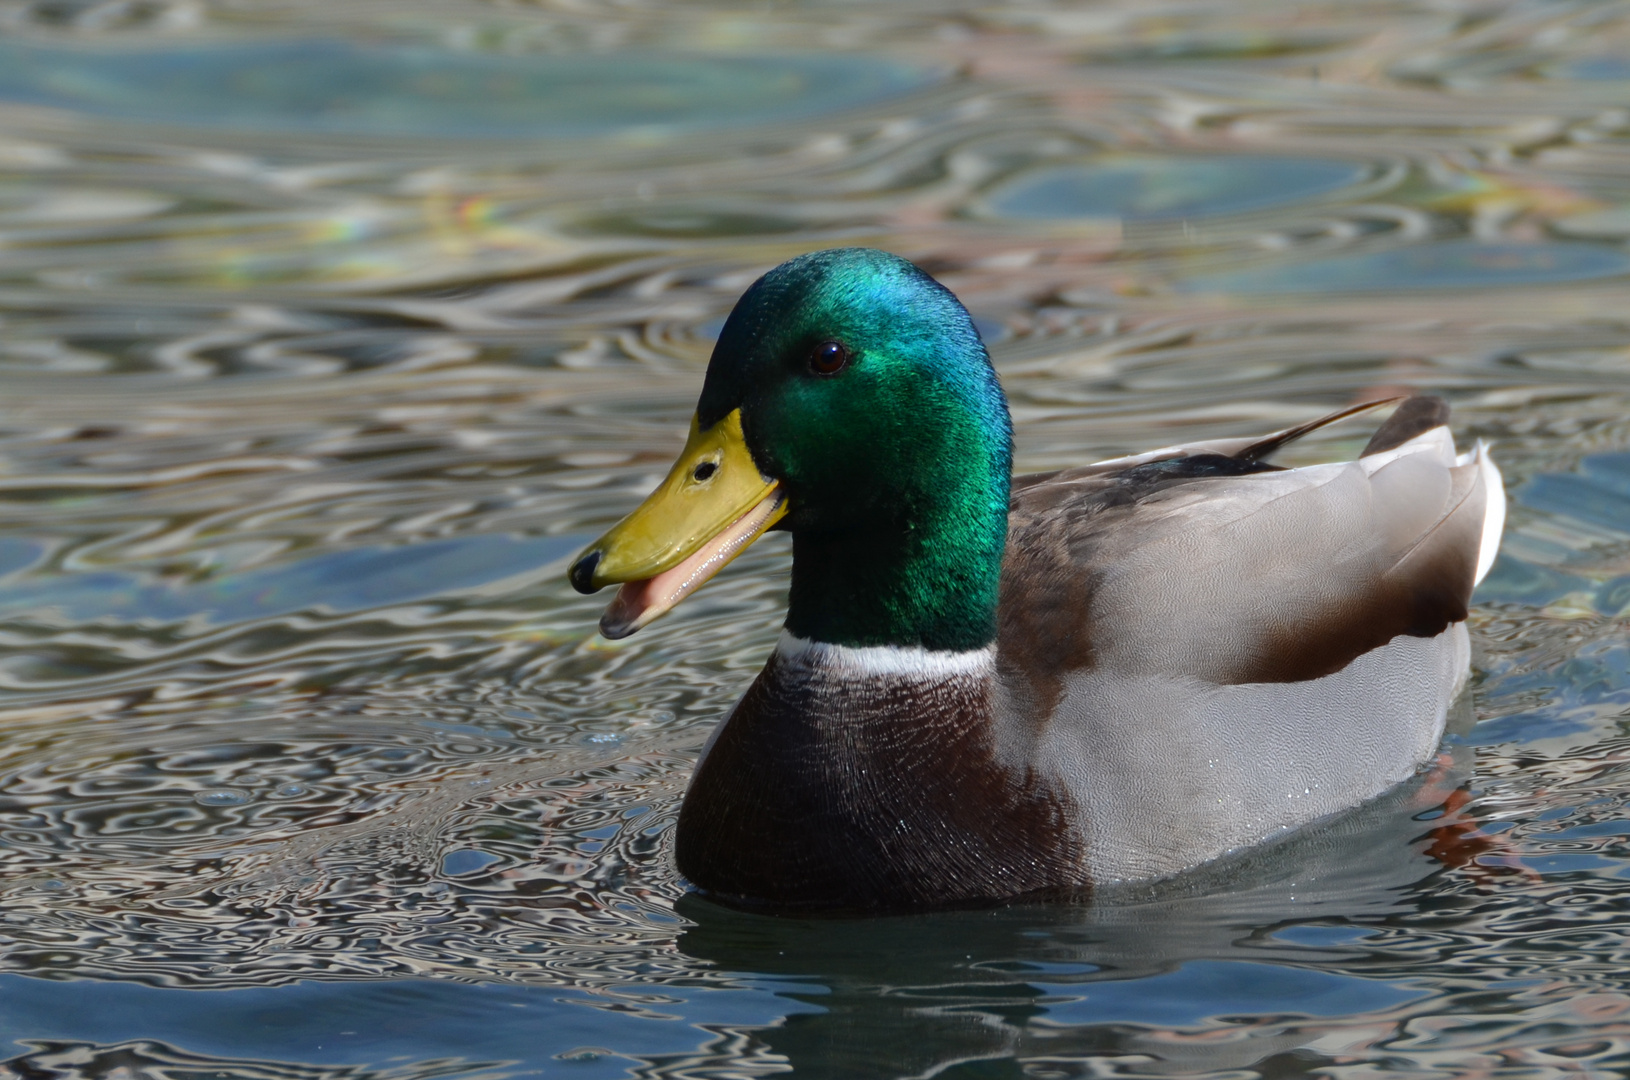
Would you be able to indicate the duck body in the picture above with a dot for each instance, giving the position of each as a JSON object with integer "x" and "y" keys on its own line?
{"x": 990, "y": 688}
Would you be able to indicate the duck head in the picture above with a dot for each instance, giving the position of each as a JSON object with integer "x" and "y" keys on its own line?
{"x": 850, "y": 401}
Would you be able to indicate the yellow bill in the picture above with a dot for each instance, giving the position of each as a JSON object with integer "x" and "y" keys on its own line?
{"x": 713, "y": 504}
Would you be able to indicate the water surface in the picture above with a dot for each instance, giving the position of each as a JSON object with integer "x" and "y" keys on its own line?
{"x": 329, "y": 332}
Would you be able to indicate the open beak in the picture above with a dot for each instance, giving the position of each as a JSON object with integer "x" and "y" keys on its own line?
{"x": 713, "y": 504}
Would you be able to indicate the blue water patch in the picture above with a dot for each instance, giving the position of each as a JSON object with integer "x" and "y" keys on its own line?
{"x": 17, "y": 553}
{"x": 1151, "y": 188}
{"x": 340, "y": 581}
{"x": 1204, "y": 989}
{"x": 389, "y": 1024}
{"x": 1595, "y": 828}
{"x": 1593, "y": 69}
{"x": 1453, "y": 264}
{"x": 1598, "y": 494}
{"x": 467, "y": 861}
{"x": 1579, "y": 693}
{"x": 1560, "y": 721}
{"x": 362, "y": 88}
{"x": 1572, "y": 862}
{"x": 1313, "y": 934}
{"x": 1513, "y": 581}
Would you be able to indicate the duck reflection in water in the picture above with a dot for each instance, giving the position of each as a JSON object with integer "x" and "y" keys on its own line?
{"x": 1274, "y": 938}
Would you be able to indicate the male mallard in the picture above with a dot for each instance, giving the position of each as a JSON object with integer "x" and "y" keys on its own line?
{"x": 988, "y": 689}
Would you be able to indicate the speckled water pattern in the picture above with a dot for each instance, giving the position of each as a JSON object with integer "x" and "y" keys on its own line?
{"x": 329, "y": 331}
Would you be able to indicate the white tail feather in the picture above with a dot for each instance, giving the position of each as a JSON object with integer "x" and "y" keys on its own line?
{"x": 1494, "y": 513}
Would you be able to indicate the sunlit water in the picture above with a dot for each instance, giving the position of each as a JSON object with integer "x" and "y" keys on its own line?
{"x": 329, "y": 331}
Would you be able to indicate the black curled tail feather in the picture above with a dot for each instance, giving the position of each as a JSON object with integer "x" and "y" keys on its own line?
{"x": 1413, "y": 416}
{"x": 1270, "y": 444}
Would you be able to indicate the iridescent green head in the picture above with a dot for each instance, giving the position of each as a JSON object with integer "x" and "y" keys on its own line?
{"x": 867, "y": 403}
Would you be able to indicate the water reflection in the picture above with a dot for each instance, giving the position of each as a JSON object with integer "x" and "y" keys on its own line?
{"x": 912, "y": 995}
{"x": 339, "y": 581}
{"x": 373, "y": 90}
{"x": 324, "y": 331}
{"x": 404, "y": 1030}
{"x": 1132, "y": 187}
{"x": 1450, "y": 265}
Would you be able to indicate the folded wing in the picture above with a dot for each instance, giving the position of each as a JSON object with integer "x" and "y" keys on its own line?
{"x": 1211, "y": 566}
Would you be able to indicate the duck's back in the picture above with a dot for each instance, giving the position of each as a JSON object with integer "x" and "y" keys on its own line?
{"x": 1201, "y": 650}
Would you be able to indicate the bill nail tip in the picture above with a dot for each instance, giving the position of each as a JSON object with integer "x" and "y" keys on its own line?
{"x": 581, "y": 575}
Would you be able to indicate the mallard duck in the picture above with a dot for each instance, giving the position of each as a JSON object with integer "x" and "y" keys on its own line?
{"x": 991, "y": 686}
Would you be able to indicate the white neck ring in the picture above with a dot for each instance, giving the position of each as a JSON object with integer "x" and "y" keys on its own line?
{"x": 896, "y": 661}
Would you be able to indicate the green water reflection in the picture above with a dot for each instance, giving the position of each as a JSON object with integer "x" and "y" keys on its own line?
{"x": 1451, "y": 265}
{"x": 1170, "y": 188}
{"x": 370, "y": 89}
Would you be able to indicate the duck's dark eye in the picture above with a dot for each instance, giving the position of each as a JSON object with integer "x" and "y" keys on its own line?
{"x": 828, "y": 358}
{"x": 704, "y": 471}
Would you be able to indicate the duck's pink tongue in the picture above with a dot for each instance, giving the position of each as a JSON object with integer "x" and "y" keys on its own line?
{"x": 639, "y": 602}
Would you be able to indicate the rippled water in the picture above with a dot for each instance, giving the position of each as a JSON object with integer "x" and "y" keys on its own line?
{"x": 327, "y": 332}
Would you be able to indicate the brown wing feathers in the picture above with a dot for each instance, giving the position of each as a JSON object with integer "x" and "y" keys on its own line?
{"x": 1420, "y": 593}
{"x": 1215, "y": 586}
